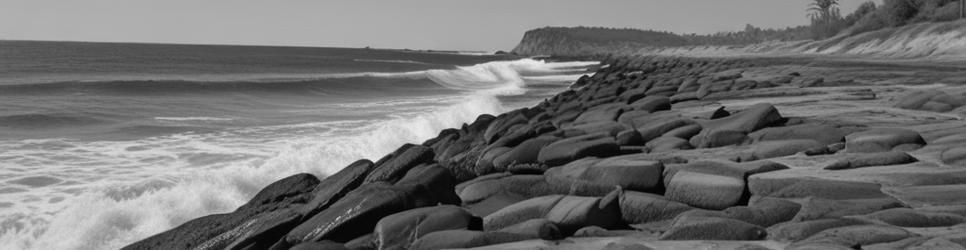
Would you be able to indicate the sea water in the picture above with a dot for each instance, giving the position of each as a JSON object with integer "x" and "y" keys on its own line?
{"x": 104, "y": 144}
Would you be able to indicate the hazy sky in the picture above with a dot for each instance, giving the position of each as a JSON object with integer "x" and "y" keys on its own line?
{"x": 418, "y": 24}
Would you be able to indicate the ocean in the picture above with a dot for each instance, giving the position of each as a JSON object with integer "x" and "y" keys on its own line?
{"x": 104, "y": 144}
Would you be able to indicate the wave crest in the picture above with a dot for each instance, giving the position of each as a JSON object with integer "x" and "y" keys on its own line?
{"x": 506, "y": 75}
{"x": 116, "y": 211}
{"x": 120, "y": 213}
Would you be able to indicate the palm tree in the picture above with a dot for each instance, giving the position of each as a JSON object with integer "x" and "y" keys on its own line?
{"x": 822, "y": 9}
{"x": 824, "y": 14}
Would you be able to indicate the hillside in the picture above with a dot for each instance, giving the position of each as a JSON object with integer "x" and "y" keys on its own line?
{"x": 584, "y": 41}
{"x": 934, "y": 41}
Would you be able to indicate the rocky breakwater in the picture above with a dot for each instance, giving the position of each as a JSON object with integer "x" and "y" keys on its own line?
{"x": 642, "y": 154}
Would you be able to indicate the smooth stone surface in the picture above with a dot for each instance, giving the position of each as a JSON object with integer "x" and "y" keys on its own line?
{"x": 932, "y": 195}
{"x": 720, "y": 132}
{"x": 627, "y": 173}
{"x": 667, "y": 143}
{"x": 571, "y": 149}
{"x": 536, "y": 228}
{"x": 871, "y": 160}
{"x": 800, "y": 230}
{"x": 881, "y": 140}
{"x": 705, "y": 190}
{"x": 492, "y": 193}
{"x": 712, "y": 228}
{"x": 822, "y": 133}
{"x": 819, "y": 208}
{"x": 779, "y": 148}
{"x": 638, "y": 207}
{"x": 356, "y": 214}
{"x": 905, "y": 217}
{"x": 453, "y": 239}
{"x": 569, "y": 213}
{"x": 394, "y": 166}
{"x": 337, "y": 185}
{"x": 397, "y": 231}
{"x": 525, "y": 153}
{"x": 858, "y": 236}
{"x": 652, "y": 103}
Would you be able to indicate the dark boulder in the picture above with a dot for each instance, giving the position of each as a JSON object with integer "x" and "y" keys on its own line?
{"x": 764, "y": 213}
{"x": 712, "y": 228}
{"x": 800, "y": 230}
{"x": 630, "y": 137}
{"x": 600, "y": 113}
{"x": 365, "y": 242}
{"x": 570, "y": 149}
{"x": 437, "y": 180}
{"x": 802, "y": 187}
{"x": 485, "y": 164}
{"x": 723, "y": 131}
{"x": 772, "y": 149}
{"x": 872, "y": 160}
{"x": 906, "y": 217}
{"x": 399, "y": 230}
{"x": 357, "y": 213}
{"x": 454, "y": 239}
{"x": 604, "y": 127}
{"x": 525, "y": 153}
{"x": 955, "y": 156}
{"x": 260, "y": 233}
{"x": 685, "y": 132}
{"x": 857, "y": 236}
{"x": 811, "y": 131}
{"x": 536, "y": 228}
{"x": 818, "y": 208}
{"x": 323, "y": 245}
{"x": 630, "y": 118}
{"x": 488, "y": 194}
{"x": 524, "y": 169}
{"x": 881, "y": 140}
{"x": 655, "y": 129}
{"x": 275, "y": 201}
{"x": 931, "y": 100}
{"x": 633, "y": 95}
{"x": 500, "y": 125}
{"x": 683, "y": 97}
{"x": 638, "y": 207}
{"x": 569, "y": 213}
{"x": 394, "y": 166}
{"x": 667, "y": 143}
{"x": 705, "y": 190}
{"x": 631, "y": 174}
{"x": 337, "y": 185}
{"x": 652, "y": 104}
{"x": 713, "y": 184}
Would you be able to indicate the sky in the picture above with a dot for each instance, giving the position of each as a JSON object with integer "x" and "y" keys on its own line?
{"x": 480, "y": 25}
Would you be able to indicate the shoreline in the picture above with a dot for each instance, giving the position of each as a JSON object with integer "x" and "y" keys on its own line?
{"x": 665, "y": 152}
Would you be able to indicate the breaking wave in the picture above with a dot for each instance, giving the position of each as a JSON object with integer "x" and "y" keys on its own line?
{"x": 157, "y": 183}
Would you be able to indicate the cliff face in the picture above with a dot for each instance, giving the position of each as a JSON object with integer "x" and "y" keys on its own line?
{"x": 582, "y": 41}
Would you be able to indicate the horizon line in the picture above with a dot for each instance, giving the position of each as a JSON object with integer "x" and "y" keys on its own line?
{"x": 245, "y": 45}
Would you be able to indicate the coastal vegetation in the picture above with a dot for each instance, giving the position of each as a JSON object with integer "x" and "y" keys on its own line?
{"x": 826, "y": 21}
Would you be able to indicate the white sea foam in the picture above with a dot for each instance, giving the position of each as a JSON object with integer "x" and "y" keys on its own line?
{"x": 389, "y": 61}
{"x": 500, "y": 75}
{"x": 193, "y": 118}
{"x": 121, "y": 192}
{"x": 553, "y": 78}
